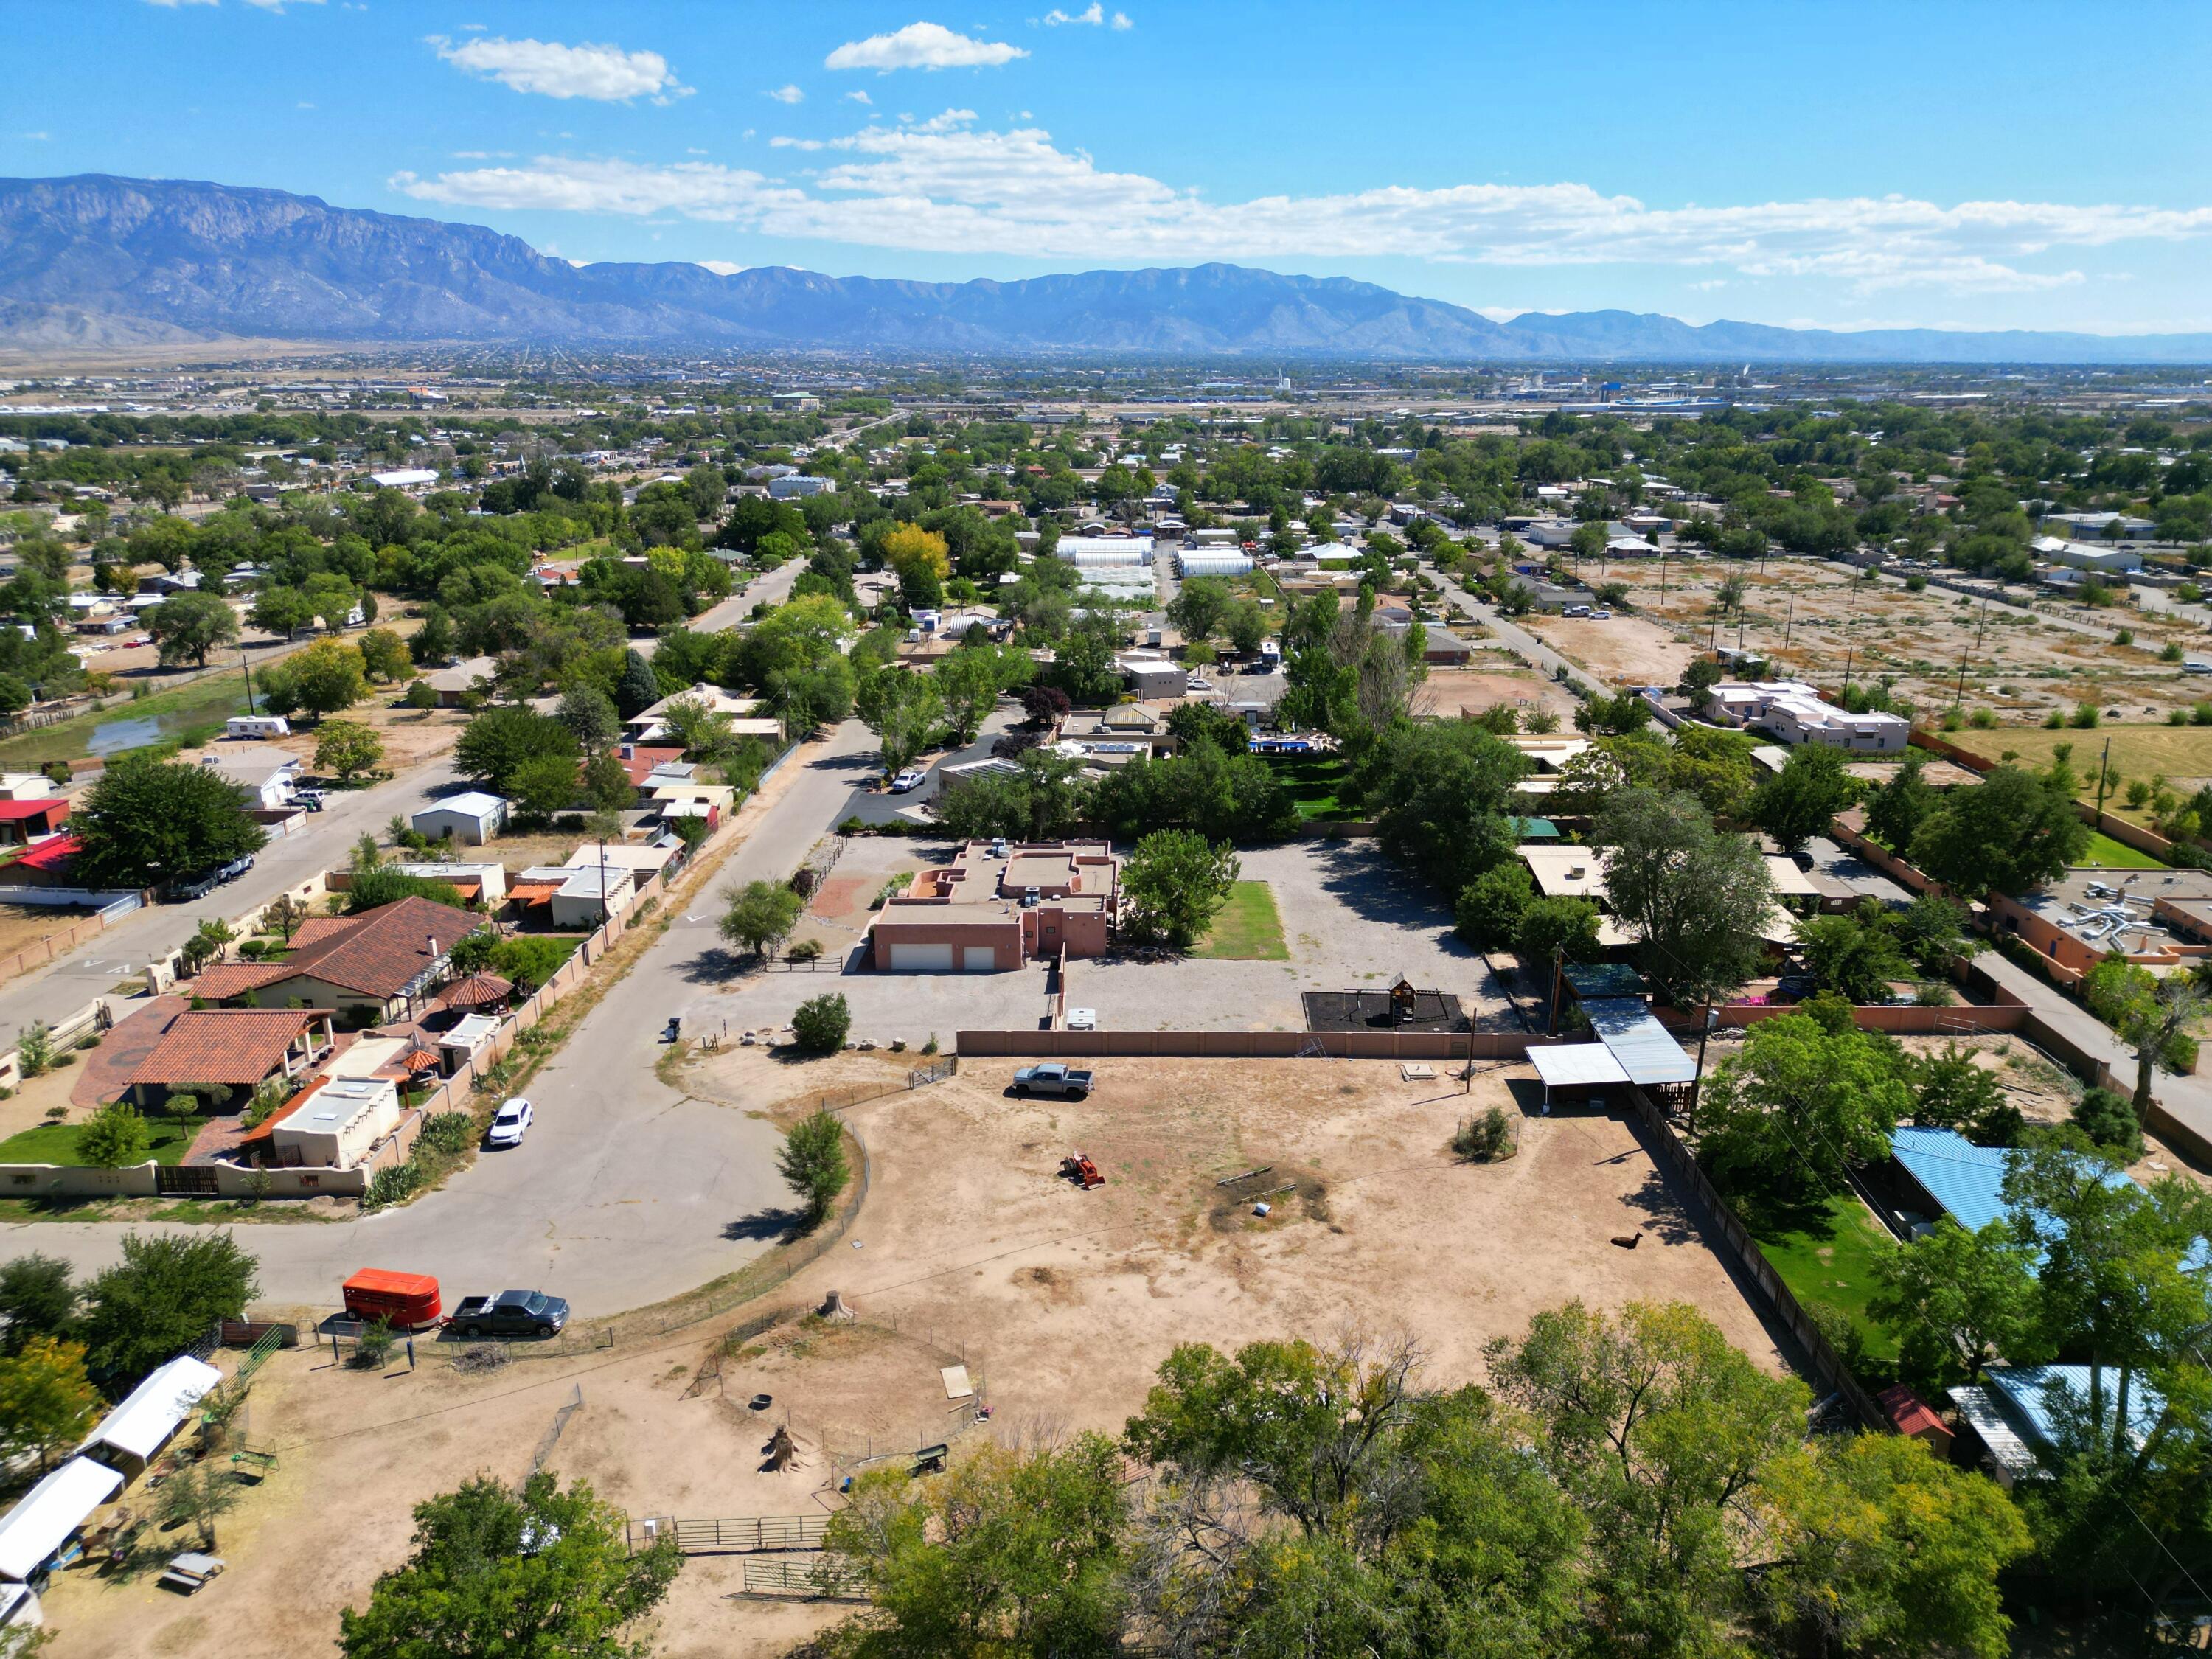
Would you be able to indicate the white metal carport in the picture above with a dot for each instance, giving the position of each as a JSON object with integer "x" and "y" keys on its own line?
{"x": 32, "y": 1532}
{"x": 1575, "y": 1065}
{"x": 154, "y": 1410}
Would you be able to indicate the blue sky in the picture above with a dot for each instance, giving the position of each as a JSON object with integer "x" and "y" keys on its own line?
{"x": 1947, "y": 164}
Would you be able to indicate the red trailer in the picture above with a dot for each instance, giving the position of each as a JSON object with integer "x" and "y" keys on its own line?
{"x": 407, "y": 1300}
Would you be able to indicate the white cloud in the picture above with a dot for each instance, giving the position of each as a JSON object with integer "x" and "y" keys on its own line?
{"x": 921, "y": 46}
{"x": 787, "y": 94}
{"x": 172, "y": 5}
{"x": 1121, "y": 21}
{"x": 859, "y": 97}
{"x": 278, "y": 6}
{"x": 1093, "y": 14}
{"x": 943, "y": 186}
{"x": 604, "y": 73}
{"x": 37, "y": 138}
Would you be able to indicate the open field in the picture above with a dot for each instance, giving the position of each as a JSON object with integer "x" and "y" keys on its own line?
{"x": 2181, "y": 754}
{"x": 1811, "y": 618}
{"x": 968, "y": 1249}
{"x": 1623, "y": 650}
{"x": 1248, "y": 929}
{"x": 1447, "y": 692}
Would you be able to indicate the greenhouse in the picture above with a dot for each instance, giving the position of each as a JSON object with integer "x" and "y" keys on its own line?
{"x": 1209, "y": 562}
{"x": 1102, "y": 552}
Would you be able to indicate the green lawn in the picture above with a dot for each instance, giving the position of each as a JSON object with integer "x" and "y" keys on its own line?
{"x": 1248, "y": 929}
{"x": 1829, "y": 1255}
{"x": 55, "y": 1143}
{"x": 2117, "y": 855}
{"x": 1312, "y": 781}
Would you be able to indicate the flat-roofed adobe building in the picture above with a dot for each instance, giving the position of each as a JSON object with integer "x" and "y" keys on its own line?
{"x": 990, "y": 912}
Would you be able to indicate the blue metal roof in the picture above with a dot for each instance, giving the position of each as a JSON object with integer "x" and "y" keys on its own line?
{"x": 1642, "y": 1046}
{"x": 1968, "y": 1181}
{"x": 2029, "y": 1392}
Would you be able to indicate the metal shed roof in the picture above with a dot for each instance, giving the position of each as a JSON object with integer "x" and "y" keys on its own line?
{"x": 1966, "y": 1180}
{"x": 47, "y": 1514}
{"x": 155, "y": 1408}
{"x": 1577, "y": 1065}
{"x": 1647, "y": 1053}
{"x": 1602, "y": 979}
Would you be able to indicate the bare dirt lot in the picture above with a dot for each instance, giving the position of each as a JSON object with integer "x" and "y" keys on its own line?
{"x": 1060, "y": 1302}
{"x": 1622, "y": 650}
{"x": 1811, "y": 618}
{"x": 1448, "y": 692}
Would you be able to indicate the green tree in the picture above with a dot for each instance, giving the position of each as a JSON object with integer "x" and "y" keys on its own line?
{"x": 1895, "y": 811}
{"x": 114, "y": 1136}
{"x": 197, "y": 1495}
{"x": 1440, "y": 794}
{"x": 813, "y": 1162}
{"x": 37, "y": 1297}
{"x": 1959, "y": 1299}
{"x": 607, "y": 785}
{"x": 1950, "y": 1091}
{"x": 2010, "y": 834}
{"x": 280, "y": 610}
{"x": 761, "y": 915}
{"x": 1009, "y": 1553}
{"x": 820, "y": 1023}
{"x": 1788, "y": 1114}
{"x": 1796, "y": 803}
{"x": 526, "y": 961}
{"x": 1173, "y": 885}
{"x": 2153, "y": 1015}
{"x": 166, "y": 1294}
{"x": 1699, "y": 900}
{"x": 1856, "y": 961}
{"x": 327, "y": 677}
{"x": 383, "y": 655}
{"x": 637, "y": 690}
{"x": 2109, "y": 1119}
{"x": 148, "y": 821}
{"x": 500, "y": 742}
{"x": 46, "y": 1400}
{"x": 538, "y": 1574}
{"x": 589, "y": 715}
{"x": 433, "y": 641}
{"x": 903, "y": 709}
{"x": 188, "y": 626}
{"x": 545, "y": 785}
{"x": 348, "y": 747}
{"x": 1198, "y": 609}
{"x": 1490, "y": 906}
{"x": 1556, "y": 929}
{"x": 968, "y": 683}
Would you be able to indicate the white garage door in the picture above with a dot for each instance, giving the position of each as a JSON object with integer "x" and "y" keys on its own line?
{"x": 922, "y": 958}
{"x": 981, "y": 959}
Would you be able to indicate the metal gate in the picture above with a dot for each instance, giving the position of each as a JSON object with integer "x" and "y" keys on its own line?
{"x": 739, "y": 1536}
{"x": 183, "y": 1181}
{"x": 789, "y": 1577}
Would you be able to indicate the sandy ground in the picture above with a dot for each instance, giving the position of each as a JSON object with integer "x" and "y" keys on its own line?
{"x": 411, "y": 736}
{"x": 1450, "y": 691}
{"x": 1622, "y": 650}
{"x": 1811, "y": 618}
{"x": 1062, "y": 1303}
{"x": 24, "y": 925}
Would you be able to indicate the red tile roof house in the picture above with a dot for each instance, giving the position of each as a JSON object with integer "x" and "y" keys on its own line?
{"x": 380, "y": 965}
{"x": 239, "y": 1048}
{"x": 24, "y": 821}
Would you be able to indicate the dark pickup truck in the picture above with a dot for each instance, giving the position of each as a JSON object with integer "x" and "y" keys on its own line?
{"x": 511, "y": 1313}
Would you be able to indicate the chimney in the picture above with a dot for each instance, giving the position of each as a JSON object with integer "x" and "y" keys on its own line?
{"x": 430, "y": 945}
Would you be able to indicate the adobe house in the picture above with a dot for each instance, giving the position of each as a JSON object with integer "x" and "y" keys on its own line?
{"x": 991, "y": 911}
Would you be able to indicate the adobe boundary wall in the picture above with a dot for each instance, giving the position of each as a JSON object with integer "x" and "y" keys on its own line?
{"x": 1251, "y": 1045}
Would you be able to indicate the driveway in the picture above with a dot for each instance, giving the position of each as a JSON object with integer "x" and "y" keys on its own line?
{"x": 621, "y": 1193}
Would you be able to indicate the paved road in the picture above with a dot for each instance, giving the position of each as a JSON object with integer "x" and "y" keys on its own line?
{"x": 1538, "y": 653}
{"x": 625, "y": 1191}
{"x": 124, "y": 949}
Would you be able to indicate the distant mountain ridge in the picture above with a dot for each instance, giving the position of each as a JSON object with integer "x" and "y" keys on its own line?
{"x": 94, "y": 261}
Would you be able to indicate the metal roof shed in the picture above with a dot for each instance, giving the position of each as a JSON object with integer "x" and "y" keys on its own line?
{"x": 156, "y": 1409}
{"x": 42, "y": 1522}
{"x": 1645, "y": 1050}
{"x": 1575, "y": 1066}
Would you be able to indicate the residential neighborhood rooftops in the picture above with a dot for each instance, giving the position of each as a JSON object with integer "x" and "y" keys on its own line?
{"x": 382, "y": 951}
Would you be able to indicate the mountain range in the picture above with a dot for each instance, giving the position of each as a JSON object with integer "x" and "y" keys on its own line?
{"x": 99, "y": 262}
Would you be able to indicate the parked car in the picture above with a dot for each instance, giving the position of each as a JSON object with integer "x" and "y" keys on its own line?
{"x": 1196, "y": 684}
{"x": 510, "y": 1123}
{"x": 1083, "y": 1019}
{"x": 511, "y": 1313}
{"x": 1602, "y": 613}
{"x": 907, "y": 780}
{"x": 235, "y": 869}
{"x": 1575, "y": 611}
{"x": 1052, "y": 1080}
{"x": 313, "y": 799}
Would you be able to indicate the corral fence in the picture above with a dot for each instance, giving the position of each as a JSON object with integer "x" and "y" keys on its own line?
{"x": 745, "y": 1535}
{"x": 816, "y": 1577}
{"x": 1829, "y": 1371}
{"x": 1251, "y": 1045}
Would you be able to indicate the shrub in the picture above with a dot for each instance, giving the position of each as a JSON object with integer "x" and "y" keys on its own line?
{"x": 2108, "y": 1118}
{"x": 374, "y": 1344}
{"x": 114, "y": 1136}
{"x": 820, "y": 1023}
{"x": 1982, "y": 719}
{"x": 420, "y": 695}
{"x": 2124, "y": 636}
{"x": 448, "y": 1132}
{"x": 812, "y": 1163}
{"x": 393, "y": 1185}
{"x": 2054, "y": 720}
{"x": 1483, "y": 1140}
{"x": 2170, "y": 652}
{"x": 35, "y": 1049}
{"x": 805, "y": 951}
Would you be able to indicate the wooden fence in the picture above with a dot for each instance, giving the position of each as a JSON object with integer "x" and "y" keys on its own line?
{"x": 1829, "y": 1371}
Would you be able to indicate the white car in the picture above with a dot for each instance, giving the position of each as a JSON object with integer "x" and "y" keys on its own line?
{"x": 1602, "y": 614}
{"x": 1196, "y": 684}
{"x": 509, "y": 1123}
{"x": 909, "y": 779}
{"x": 1083, "y": 1019}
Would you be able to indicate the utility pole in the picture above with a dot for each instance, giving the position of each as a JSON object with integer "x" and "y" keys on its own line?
{"x": 246, "y": 662}
{"x": 1789, "y": 619}
{"x": 2104, "y": 773}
